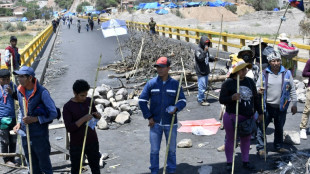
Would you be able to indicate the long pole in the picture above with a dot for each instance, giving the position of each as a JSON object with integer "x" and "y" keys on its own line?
{"x": 89, "y": 112}
{"x": 185, "y": 77}
{"x": 15, "y": 104}
{"x": 217, "y": 55}
{"x": 28, "y": 136}
{"x": 275, "y": 39}
{"x": 262, "y": 98}
{"x": 172, "y": 123}
{"x": 236, "y": 126}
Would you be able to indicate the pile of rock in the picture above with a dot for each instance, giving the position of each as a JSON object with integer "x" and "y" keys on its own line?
{"x": 114, "y": 105}
{"x": 301, "y": 90}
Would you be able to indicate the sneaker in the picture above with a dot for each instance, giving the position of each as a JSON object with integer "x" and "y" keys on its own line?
{"x": 248, "y": 166}
{"x": 221, "y": 148}
{"x": 204, "y": 103}
{"x": 303, "y": 134}
{"x": 283, "y": 150}
{"x": 261, "y": 154}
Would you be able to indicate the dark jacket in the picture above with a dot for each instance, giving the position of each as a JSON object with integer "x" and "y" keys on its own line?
{"x": 202, "y": 58}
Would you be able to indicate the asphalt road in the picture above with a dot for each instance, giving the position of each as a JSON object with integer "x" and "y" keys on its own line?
{"x": 128, "y": 145}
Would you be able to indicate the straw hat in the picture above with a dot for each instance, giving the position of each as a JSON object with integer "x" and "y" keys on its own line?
{"x": 239, "y": 66}
{"x": 255, "y": 42}
{"x": 283, "y": 36}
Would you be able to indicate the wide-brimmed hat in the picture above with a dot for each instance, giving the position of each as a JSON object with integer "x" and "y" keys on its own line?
{"x": 245, "y": 49}
{"x": 239, "y": 66}
{"x": 255, "y": 42}
{"x": 283, "y": 36}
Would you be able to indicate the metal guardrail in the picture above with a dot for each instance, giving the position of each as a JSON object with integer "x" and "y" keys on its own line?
{"x": 190, "y": 33}
{"x": 33, "y": 48}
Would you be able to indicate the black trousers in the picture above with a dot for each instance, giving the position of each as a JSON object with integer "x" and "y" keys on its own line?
{"x": 93, "y": 157}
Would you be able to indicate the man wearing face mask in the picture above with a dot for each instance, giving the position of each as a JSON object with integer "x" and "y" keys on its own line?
{"x": 202, "y": 68}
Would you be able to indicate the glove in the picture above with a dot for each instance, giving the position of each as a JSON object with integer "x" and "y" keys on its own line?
{"x": 170, "y": 109}
{"x": 92, "y": 123}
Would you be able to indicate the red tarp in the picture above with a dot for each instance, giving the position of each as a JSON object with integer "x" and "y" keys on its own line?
{"x": 210, "y": 126}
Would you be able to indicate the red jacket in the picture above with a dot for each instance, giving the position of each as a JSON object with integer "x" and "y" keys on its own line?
{"x": 11, "y": 49}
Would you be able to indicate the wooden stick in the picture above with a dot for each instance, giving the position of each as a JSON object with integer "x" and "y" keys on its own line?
{"x": 120, "y": 47}
{"x": 89, "y": 112}
{"x": 138, "y": 57}
{"x": 28, "y": 136}
{"x": 15, "y": 167}
{"x": 262, "y": 98}
{"x": 275, "y": 39}
{"x": 236, "y": 126}
{"x": 171, "y": 125}
{"x": 217, "y": 55}
{"x": 185, "y": 76}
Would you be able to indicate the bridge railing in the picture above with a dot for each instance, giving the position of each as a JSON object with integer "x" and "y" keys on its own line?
{"x": 190, "y": 33}
{"x": 33, "y": 48}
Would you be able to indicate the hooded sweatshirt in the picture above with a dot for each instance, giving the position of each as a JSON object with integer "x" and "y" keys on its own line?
{"x": 202, "y": 58}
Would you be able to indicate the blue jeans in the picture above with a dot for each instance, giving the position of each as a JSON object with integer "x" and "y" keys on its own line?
{"x": 202, "y": 87}
{"x": 279, "y": 118}
{"x": 40, "y": 154}
{"x": 156, "y": 133}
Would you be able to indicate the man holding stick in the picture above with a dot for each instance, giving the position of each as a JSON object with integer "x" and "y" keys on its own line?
{"x": 41, "y": 111}
{"x": 276, "y": 101}
{"x": 161, "y": 91}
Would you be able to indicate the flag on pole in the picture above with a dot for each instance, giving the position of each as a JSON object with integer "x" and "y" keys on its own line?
{"x": 297, "y": 4}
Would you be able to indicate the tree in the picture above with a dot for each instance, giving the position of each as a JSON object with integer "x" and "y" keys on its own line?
{"x": 79, "y": 8}
{"x": 106, "y": 3}
{"x": 263, "y": 4}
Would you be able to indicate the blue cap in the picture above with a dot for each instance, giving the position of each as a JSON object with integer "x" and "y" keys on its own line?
{"x": 25, "y": 70}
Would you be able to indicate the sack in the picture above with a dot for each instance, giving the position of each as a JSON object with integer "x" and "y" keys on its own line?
{"x": 247, "y": 127}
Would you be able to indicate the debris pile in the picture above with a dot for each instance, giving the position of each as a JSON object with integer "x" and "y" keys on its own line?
{"x": 292, "y": 163}
{"x": 114, "y": 105}
{"x": 301, "y": 90}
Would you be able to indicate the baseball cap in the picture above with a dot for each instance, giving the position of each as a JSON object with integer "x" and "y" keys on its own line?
{"x": 162, "y": 62}
{"x": 25, "y": 70}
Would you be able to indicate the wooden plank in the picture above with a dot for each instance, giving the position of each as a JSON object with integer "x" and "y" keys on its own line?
{"x": 15, "y": 167}
{"x": 56, "y": 126}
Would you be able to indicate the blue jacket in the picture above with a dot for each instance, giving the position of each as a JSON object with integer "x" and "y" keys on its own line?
{"x": 7, "y": 108}
{"x": 286, "y": 87}
{"x": 161, "y": 96}
{"x": 39, "y": 104}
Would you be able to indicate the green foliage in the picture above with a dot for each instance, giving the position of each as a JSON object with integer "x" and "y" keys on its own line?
{"x": 64, "y": 3}
{"x": 6, "y": 12}
{"x": 6, "y": 26}
{"x": 106, "y": 3}
{"x": 232, "y": 8}
{"x": 263, "y": 4}
{"x": 79, "y": 8}
{"x": 21, "y": 27}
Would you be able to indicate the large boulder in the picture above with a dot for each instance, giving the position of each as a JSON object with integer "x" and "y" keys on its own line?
{"x": 291, "y": 137}
{"x": 119, "y": 98}
{"x": 104, "y": 102}
{"x": 110, "y": 113}
{"x": 96, "y": 93}
{"x": 110, "y": 94}
{"x": 133, "y": 102}
{"x": 99, "y": 108}
{"x": 125, "y": 107}
{"x": 185, "y": 143}
{"x": 123, "y": 92}
{"x": 300, "y": 85}
{"x": 123, "y": 117}
{"x": 102, "y": 124}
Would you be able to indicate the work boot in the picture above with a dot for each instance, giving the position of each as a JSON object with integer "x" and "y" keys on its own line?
{"x": 282, "y": 150}
{"x": 221, "y": 148}
{"x": 248, "y": 166}
{"x": 261, "y": 154}
{"x": 204, "y": 103}
{"x": 303, "y": 134}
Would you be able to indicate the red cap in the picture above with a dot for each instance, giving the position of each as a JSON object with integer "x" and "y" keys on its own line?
{"x": 162, "y": 62}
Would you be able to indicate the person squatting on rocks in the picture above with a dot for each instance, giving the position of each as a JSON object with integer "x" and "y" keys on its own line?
{"x": 249, "y": 104}
{"x": 161, "y": 91}
{"x": 152, "y": 25}
{"x": 306, "y": 112}
{"x": 41, "y": 111}
{"x": 75, "y": 115}
{"x": 7, "y": 116}
{"x": 202, "y": 68}
{"x": 276, "y": 101}
{"x": 11, "y": 52}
